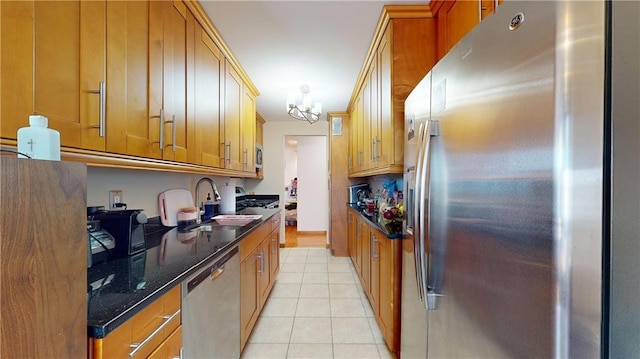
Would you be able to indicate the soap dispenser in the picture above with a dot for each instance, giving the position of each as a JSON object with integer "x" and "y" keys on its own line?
{"x": 209, "y": 208}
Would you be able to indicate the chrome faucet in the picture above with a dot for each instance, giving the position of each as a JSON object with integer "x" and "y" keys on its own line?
{"x": 216, "y": 194}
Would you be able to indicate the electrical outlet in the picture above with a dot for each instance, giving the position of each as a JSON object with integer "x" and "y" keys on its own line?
{"x": 115, "y": 196}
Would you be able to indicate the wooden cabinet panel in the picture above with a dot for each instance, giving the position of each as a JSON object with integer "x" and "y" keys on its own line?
{"x": 264, "y": 270}
{"x": 170, "y": 347}
{"x": 274, "y": 258}
{"x": 43, "y": 264}
{"x": 209, "y": 62}
{"x": 462, "y": 16}
{"x": 387, "y": 133}
{"x": 259, "y": 269}
{"x": 232, "y": 117}
{"x": 377, "y": 260}
{"x": 16, "y": 66}
{"x": 118, "y": 344}
{"x": 175, "y": 81}
{"x": 56, "y": 64}
{"x": 386, "y": 299}
{"x": 130, "y": 128}
{"x": 404, "y": 53}
{"x": 53, "y": 58}
{"x": 248, "y": 131}
{"x": 170, "y": 26}
{"x": 351, "y": 235}
{"x": 249, "y": 296}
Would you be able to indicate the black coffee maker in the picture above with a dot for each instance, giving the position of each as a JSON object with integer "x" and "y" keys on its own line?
{"x": 126, "y": 226}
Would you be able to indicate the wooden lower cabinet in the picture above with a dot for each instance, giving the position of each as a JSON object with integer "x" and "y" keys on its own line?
{"x": 170, "y": 347}
{"x": 259, "y": 266}
{"x": 125, "y": 340}
{"x": 378, "y": 261}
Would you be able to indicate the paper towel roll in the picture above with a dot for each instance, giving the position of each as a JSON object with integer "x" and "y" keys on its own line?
{"x": 228, "y": 203}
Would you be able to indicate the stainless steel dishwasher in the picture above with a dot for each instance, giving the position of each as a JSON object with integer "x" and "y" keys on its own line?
{"x": 211, "y": 309}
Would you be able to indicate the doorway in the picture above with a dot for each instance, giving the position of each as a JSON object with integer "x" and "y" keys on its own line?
{"x": 306, "y": 196}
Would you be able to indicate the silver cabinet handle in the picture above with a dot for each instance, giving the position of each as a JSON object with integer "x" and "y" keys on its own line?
{"x": 374, "y": 252}
{"x": 246, "y": 158}
{"x": 173, "y": 121}
{"x": 224, "y": 150}
{"x": 358, "y": 233}
{"x": 102, "y": 92}
{"x": 350, "y": 162}
{"x": 173, "y": 132}
{"x": 262, "y": 262}
{"x": 359, "y": 158}
{"x": 229, "y": 152}
{"x": 274, "y": 249}
{"x": 161, "y": 117}
{"x": 137, "y": 346}
{"x": 260, "y": 268}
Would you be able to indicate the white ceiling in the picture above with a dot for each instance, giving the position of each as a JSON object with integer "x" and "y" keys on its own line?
{"x": 284, "y": 44}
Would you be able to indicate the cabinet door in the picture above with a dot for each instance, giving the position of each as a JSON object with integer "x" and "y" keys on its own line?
{"x": 351, "y": 235}
{"x": 374, "y": 114}
{"x": 365, "y": 257}
{"x": 249, "y": 299}
{"x": 248, "y": 131}
{"x": 461, "y": 17}
{"x": 386, "y": 129}
{"x": 374, "y": 276}
{"x": 209, "y": 63}
{"x": 274, "y": 258}
{"x": 358, "y": 124}
{"x": 130, "y": 128}
{"x": 367, "y": 137}
{"x": 232, "y": 118}
{"x": 170, "y": 347}
{"x": 16, "y": 66}
{"x": 52, "y": 62}
{"x": 263, "y": 270}
{"x": 169, "y": 27}
{"x": 175, "y": 81}
{"x": 385, "y": 273}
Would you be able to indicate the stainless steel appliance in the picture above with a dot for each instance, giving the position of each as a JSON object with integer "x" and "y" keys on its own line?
{"x": 525, "y": 182}
{"x": 211, "y": 309}
{"x": 126, "y": 226}
{"x": 358, "y": 192}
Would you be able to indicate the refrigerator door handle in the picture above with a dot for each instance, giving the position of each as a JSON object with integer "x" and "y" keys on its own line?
{"x": 417, "y": 216}
{"x": 431, "y": 130}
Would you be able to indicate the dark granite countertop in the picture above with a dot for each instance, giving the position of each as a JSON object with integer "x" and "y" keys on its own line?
{"x": 392, "y": 233}
{"x": 119, "y": 289}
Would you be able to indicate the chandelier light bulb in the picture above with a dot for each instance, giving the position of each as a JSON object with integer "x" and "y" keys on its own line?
{"x": 303, "y": 111}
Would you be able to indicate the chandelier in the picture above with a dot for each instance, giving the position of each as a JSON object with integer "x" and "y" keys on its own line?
{"x": 303, "y": 111}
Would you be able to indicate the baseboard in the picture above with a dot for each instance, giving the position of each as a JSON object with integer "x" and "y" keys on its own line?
{"x": 311, "y": 233}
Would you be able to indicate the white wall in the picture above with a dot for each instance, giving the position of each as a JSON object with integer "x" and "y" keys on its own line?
{"x": 141, "y": 188}
{"x": 274, "y": 133}
{"x": 313, "y": 192}
{"x": 290, "y": 162}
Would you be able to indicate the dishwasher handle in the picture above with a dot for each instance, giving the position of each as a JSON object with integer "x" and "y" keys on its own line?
{"x": 214, "y": 271}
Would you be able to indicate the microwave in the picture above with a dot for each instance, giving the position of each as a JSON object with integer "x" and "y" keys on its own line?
{"x": 258, "y": 156}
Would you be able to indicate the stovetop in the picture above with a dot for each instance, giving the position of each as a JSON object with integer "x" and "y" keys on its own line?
{"x": 257, "y": 200}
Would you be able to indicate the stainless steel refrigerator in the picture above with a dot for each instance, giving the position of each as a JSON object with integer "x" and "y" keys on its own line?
{"x": 522, "y": 188}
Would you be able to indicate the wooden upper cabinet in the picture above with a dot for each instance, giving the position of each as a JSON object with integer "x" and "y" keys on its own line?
{"x": 457, "y": 17}
{"x": 404, "y": 50}
{"x": 232, "y": 117}
{"x": 53, "y": 60}
{"x": 171, "y": 30}
{"x": 130, "y": 127}
{"x": 209, "y": 62}
{"x": 248, "y": 131}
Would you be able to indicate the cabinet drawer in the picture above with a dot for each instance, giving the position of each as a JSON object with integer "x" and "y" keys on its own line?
{"x": 147, "y": 329}
{"x": 250, "y": 242}
{"x": 275, "y": 221}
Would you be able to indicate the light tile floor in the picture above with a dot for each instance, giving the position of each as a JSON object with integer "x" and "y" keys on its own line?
{"x": 317, "y": 309}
